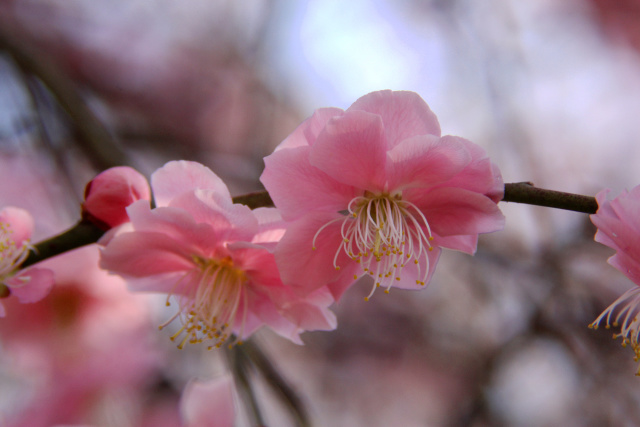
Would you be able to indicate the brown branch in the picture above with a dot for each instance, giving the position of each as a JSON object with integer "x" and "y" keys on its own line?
{"x": 526, "y": 192}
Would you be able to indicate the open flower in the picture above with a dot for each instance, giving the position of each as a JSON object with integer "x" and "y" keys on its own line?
{"x": 375, "y": 190}
{"x": 209, "y": 403}
{"x": 618, "y": 223}
{"x": 28, "y": 285}
{"x": 210, "y": 255}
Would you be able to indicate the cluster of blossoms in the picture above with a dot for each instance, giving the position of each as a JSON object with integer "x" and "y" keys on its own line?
{"x": 374, "y": 190}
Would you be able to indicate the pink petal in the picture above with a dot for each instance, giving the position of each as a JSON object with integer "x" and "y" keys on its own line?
{"x": 296, "y": 187}
{"x": 3, "y": 312}
{"x": 338, "y": 287}
{"x": 628, "y": 210}
{"x": 230, "y": 221}
{"x": 404, "y": 114}
{"x": 410, "y": 273}
{"x": 453, "y": 211}
{"x": 178, "y": 177}
{"x": 271, "y": 226}
{"x": 141, "y": 254}
{"x": 426, "y": 160}
{"x": 311, "y": 313}
{"x": 627, "y": 265}
{"x": 109, "y": 193}
{"x": 307, "y": 132}
{"x": 352, "y": 149}
{"x": 480, "y": 175}
{"x": 257, "y": 262}
{"x": 463, "y": 243}
{"x": 179, "y": 225}
{"x": 617, "y": 235}
{"x": 208, "y": 404}
{"x": 31, "y": 285}
{"x": 309, "y": 269}
{"x": 174, "y": 283}
{"x": 20, "y": 222}
{"x": 264, "y": 312}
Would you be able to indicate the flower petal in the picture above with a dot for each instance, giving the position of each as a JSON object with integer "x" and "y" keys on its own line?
{"x": 20, "y": 222}
{"x": 141, "y": 254}
{"x": 296, "y": 187}
{"x": 296, "y": 250}
{"x": 307, "y": 132}
{"x": 403, "y": 113}
{"x": 480, "y": 175}
{"x": 463, "y": 243}
{"x": 352, "y": 149}
{"x": 178, "y": 177}
{"x": 31, "y": 285}
{"x": 426, "y": 160}
{"x": 209, "y": 404}
{"x": 412, "y": 273}
{"x": 454, "y": 211}
{"x": 196, "y": 238}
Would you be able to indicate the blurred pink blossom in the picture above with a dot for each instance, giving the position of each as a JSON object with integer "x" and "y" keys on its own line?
{"x": 211, "y": 256}
{"x": 618, "y": 223}
{"x": 107, "y": 196}
{"x": 375, "y": 190}
{"x": 208, "y": 403}
{"x": 29, "y": 285}
{"x": 84, "y": 348}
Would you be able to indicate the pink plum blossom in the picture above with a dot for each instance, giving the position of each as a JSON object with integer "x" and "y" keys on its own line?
{"x": 28, "y": 285}
{"x": 209, "y": 403}
{"x": 618, "y": 223}
{"x": 213, "y": 258}
{"x": 108, "y": 195}
{"x": 375, "y": 190}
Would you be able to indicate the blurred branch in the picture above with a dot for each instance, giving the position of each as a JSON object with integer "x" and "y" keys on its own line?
{"x": 241, "y": 367}
{"x": 99, "y": 144}
{"x": 277, "y": 383}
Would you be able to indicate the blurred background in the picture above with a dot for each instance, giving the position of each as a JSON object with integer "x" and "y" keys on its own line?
{"x": 550, "y": 89}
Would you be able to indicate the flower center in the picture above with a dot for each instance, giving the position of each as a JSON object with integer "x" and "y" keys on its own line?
{"x": 384, "y": 233}
{"x": 628, "y": 315}
{"x": 11, "y": 255}
{"x": 209, "y": 297}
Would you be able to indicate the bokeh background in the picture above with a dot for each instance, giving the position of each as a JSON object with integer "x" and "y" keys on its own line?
{"x": 550, "y": 89}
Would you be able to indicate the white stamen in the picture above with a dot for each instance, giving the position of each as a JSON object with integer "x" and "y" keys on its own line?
{"x": 209, "y": 297}
{"x": 385, "y": 230}
{"x": 11, "y": 255}
{"x": 626, "y": 318}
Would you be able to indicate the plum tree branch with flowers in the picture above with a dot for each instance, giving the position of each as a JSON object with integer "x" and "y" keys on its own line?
{"x": 372, "y": 191}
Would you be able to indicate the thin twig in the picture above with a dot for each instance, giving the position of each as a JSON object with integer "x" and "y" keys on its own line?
{"x": 526, "y": 192}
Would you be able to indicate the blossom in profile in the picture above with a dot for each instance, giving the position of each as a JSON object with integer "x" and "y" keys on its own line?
{"x": 107, "y": 196}
{"x": 212, "y": 257}
{"x": 376, "y": 190}
{"x": 209, "y": 403}
{"x": 618, "y": 224}
{"x": 28, "y": 285}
